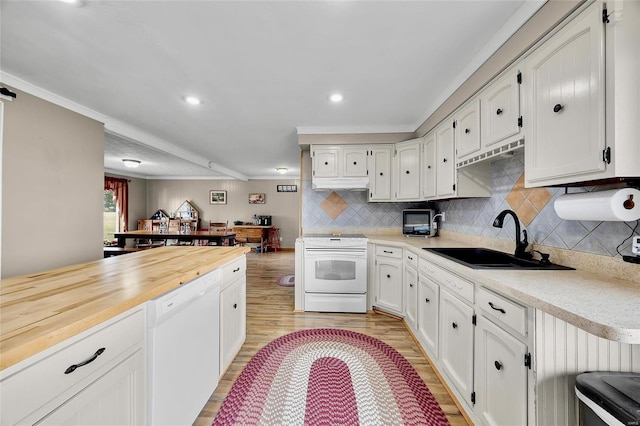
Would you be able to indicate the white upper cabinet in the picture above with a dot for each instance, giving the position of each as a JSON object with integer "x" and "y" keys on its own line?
{"x": 428, "y": 185}
{"x": 445, "y": 160}
{"x": 380, "y": 173}
{"x": 339, "y": 161}
{"x": 354, "y": 162}
{"x": 565, "y": 107}
{"x": 500, "y": 108}
{"x": 468, "y": 129}
{"x": 325, "y": 161}
{"x": 408, "y": 170}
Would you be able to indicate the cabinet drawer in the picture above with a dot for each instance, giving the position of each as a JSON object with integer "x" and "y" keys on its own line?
{"x": 456, "y": 284}
{"x": 503, "y": 310}
{"x": 233, "y": 270}
{"x": 411, "y": 259}
{"x": 388, "y": 251}
{"x": 44, "y": 382}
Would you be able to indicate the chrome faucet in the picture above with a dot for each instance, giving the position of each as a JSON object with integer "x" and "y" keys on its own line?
{"x": 521, "y": 246}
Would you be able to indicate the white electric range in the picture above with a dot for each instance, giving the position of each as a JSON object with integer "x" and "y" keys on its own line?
{"x": 335, "y": 273}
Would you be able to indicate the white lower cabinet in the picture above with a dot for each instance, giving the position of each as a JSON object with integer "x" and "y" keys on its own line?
{"x": 411, "y": 296}
{"x": 456, "y": 342}
{"x": 428, "y": 314}
{"x": 115, "y": 398}
{"x": 388, "y": 279}
{"x": 500, "y": 376}
{"x": 233, "y": 311}
{"x": 96, "y": 377}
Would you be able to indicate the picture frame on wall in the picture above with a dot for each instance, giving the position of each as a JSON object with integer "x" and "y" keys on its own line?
{"x": 217, "y": 197}
{"x": 287, "y": 188}
{"x": 257, "y": 199}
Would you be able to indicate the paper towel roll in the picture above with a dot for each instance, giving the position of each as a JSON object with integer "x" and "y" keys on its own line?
{"x": 613, "y": 205}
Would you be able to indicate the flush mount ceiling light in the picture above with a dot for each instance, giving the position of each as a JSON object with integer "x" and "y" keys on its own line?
{"x": 282, "y": 170}
{"x": 76, "y": 3}
{"x": 336, "y": 97}
{"x": 132, "y": 164}
{"x": 192, "y": 100}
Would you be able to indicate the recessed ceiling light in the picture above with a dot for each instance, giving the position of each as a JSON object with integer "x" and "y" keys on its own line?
{"x": 131, "y": 163}
{"x": 192, "y": 100}
{"x": 282, "y": 170}
{"x": 336, "y": 97}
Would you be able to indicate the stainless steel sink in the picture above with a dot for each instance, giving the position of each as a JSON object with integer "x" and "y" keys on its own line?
{"x": 482, "y": 258}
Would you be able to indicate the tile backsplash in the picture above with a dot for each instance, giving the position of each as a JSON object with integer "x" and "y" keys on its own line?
{"x": 474, "y": 216}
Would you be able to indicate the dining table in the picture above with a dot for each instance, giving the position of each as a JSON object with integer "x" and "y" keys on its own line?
{"x": 220, "y": 237}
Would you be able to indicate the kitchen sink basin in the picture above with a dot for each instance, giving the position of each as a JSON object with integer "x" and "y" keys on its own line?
{"x": 482, "y": 258}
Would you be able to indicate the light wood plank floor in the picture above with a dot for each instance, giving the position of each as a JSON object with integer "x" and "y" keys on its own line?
{"x": 270, "y": 315}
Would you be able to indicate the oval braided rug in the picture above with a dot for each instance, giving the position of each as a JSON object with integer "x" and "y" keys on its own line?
{"x": 329, "y": 376}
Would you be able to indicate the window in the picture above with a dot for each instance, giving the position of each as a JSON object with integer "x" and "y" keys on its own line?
{"x": 110, "y": 218}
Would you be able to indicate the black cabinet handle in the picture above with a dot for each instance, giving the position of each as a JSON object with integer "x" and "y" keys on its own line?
{"x": 467, "y": 131}
{"x": 235, "y": 306}
{"x": 557, "y": 108}
{"x": 498, "y": 365}
{"x": 454, "y": 325}
{"x": 72, "y": 368}
{"x": 388, "y": 276}
{"x": 497, "y": 309}
{"x": 499, "y": 111}
{"x": 387, "y": 251}
{"x": 410, "y": 258}
{"x": 444, "y": 160}
{"x": 407, "y": 172}
{"x": 237, "y": 269}
{"x": 426, "y": 299}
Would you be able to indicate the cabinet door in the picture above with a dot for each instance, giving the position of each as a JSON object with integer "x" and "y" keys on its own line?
{"x": 389, "y": 280}
{"x": 428, "y": 303}
{"x": 468, "y": 129}
{"x": 408, "y": 170}
{"x": 232, "y": 322}
{"x": 456, "y": 342}
{"x": 429, "y": 163}
{"x": 500, "y": 108}
{"x": 445, "y": 154}
{"x": 380, "y": 177}
{"x": 565, "y": 107}
{"x": 354, "y": 161}
{"x": 411, "y": 296}
{"x": 500, "y": 376}
{"x": 115, "y": 398}
{"x": 325, "y": 162}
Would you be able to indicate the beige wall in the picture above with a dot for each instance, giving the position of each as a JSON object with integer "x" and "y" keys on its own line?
{"x": 168, "y": 195}
{"x": 52, "y": 177}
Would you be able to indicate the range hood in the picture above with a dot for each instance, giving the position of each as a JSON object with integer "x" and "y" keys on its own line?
{"x": 341, "y": 184}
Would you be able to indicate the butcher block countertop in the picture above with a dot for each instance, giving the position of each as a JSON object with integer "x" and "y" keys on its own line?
{"x": 42, "y": 309}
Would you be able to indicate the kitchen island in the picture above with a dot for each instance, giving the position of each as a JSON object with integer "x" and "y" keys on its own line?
{"x": 87, "y": 343}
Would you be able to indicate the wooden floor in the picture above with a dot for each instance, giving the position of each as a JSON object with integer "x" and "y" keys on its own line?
{"x": 270, "y": 315}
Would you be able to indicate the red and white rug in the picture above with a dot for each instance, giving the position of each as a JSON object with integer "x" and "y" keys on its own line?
{"x": 329, "y": 376}
{"x": 286, "y": 281}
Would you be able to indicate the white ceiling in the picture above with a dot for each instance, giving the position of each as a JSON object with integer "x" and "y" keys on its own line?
{"x": 262, "y": 68}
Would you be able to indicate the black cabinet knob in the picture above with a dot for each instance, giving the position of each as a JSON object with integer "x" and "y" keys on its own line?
{"x": 499, "y": 111}
{"x": 444, "y": 160}
{"x": 388, "y": 276}
{"x": 557, "y": 108}
{"x": 426, "y": 299}
{"x": 326, "y": 163}
{"x": 355, "y": 162}
{"x": 381, "y": 174}
{"x": 498, "y": 365}
{"x": 467, "y": 131}
{"x": 410, "y": 285}
{"x": 235, "y": 306}
{"x": 407, "y": 172}
{"x": 454, "y": 325}
{"x": 428, "y": 167}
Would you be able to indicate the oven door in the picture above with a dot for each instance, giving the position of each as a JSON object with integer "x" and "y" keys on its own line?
{"x": 335, "y": 271}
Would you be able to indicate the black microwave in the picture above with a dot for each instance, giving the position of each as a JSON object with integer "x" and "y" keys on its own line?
{"x": 418, "y": 222}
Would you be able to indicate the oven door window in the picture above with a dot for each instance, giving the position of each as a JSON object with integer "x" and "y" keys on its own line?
{"x": 337, "y": 270}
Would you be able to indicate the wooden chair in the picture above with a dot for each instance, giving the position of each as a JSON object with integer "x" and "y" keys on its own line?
{"x": 218, "y": 227}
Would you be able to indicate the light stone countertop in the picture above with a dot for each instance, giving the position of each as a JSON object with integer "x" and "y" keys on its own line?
{"x": 601, "y": 305}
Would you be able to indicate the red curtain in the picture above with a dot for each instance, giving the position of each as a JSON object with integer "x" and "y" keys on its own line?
{"x": 120, "y": 189}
